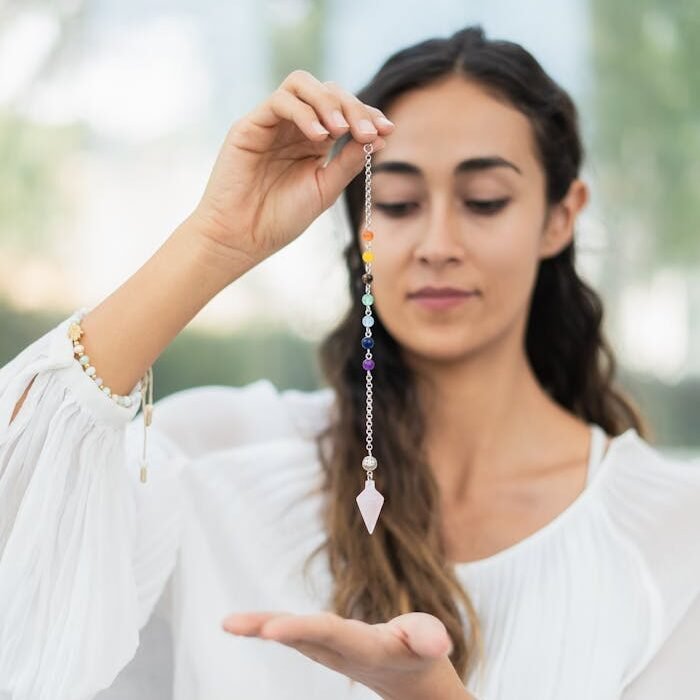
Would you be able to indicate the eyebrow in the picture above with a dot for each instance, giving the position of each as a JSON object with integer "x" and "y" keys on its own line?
{"x": 465, "y": 166}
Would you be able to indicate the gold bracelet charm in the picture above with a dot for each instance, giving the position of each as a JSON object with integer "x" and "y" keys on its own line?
{"x": 145, "y": 385}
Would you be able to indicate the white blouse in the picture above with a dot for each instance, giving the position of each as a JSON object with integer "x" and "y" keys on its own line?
{"x": 600, "y": 603}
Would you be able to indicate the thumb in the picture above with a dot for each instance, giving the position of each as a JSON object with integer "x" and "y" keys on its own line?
{"x": 425, "y": 634}
{"x": 337, "y": 174}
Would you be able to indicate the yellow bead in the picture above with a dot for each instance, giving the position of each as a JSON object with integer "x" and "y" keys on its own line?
{"x": 74, "y": 331}
{"x": 368, "y": 256}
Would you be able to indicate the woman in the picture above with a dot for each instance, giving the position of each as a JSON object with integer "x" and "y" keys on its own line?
{"x": 516, "y": 554}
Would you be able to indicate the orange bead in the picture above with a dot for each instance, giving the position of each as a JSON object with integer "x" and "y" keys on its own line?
{"x": 367, "y": 235}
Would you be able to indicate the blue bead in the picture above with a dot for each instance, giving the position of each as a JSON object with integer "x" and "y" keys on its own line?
{"x": 367, "y": 343}
{"x": 367, "y": 321}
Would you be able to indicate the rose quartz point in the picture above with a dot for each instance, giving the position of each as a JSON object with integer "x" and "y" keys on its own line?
{"x": 370, "y": 502}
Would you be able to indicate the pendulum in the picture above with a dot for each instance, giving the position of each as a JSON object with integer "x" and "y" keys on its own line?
{"x": 369, "y": 500}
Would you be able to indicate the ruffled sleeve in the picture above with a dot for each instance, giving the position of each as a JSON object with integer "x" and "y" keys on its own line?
{"x": 654, "y": 500}
{"x": 85, "y": 547}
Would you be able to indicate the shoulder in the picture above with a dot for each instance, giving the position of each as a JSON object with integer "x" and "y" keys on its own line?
{"x": 652, "y": 501}
{"x": 652, "y": 497}
{"x": 642, "y": 466}
{"x": 212, "y": 417}
{"x": 650, "y": 483}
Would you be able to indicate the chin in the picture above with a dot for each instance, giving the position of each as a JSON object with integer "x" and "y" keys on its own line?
{"x": 444, "y": 346}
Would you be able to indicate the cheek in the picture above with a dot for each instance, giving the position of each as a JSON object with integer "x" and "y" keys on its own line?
{"x": 387, "y": 291}
{"x": 508, "y": 263}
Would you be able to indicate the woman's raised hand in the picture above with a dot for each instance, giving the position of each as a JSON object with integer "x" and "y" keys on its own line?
{"x": 270, "y": 179}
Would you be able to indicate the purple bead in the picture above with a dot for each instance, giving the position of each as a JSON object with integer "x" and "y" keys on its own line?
{"x": 367, "y": 343}
{"x": 368, "y": 364}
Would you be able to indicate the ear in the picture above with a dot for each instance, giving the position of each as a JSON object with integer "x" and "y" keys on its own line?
{"x": 559, "y": 225}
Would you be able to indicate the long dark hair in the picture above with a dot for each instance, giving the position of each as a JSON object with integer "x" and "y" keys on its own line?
{"x": 402, "y": 567}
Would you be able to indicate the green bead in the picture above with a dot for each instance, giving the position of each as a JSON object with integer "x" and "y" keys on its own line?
{"x": 367, "y": 299}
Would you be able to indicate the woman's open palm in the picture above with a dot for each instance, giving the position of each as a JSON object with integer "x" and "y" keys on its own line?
{"x": 269, "y": 182}
{"x": 408, "y": 651}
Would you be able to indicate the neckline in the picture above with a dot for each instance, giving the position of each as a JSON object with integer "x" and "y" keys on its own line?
{"x": 592, "y": 483}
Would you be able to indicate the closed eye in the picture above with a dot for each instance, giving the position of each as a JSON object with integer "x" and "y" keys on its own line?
{"x": 486, "y": 206}
{"x": 396, "y": 208}
{"x": 479, "y": 206}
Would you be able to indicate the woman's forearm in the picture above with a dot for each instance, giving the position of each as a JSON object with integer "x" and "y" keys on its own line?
{"x": 128, "y": 330}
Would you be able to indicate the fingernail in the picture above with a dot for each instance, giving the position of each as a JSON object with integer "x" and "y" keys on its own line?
{"x": 319, "y": 128}
{"x": 338, "y": 118}
{"x": 366, "y": 126}
{"x": 386, "y": 121}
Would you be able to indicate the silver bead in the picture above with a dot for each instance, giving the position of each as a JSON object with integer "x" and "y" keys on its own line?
{"x": 369, "y": 463}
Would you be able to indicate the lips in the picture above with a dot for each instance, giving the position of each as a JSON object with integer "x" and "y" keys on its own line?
{"x": 436, "y": 299}
{"x": 440, "y": 293}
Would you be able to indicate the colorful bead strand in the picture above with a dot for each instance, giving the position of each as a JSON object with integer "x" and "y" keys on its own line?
{"x": 370, "y": 501}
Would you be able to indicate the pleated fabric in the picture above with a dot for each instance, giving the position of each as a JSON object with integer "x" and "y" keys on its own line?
{"x": 586, "y": 607}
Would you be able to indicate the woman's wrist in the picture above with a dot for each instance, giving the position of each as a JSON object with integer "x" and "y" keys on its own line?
{"x": 441, "y": 682}
{"x": 225, "y": 262}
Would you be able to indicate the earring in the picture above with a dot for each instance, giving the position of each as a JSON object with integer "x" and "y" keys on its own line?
{"x": 370, "y": 501}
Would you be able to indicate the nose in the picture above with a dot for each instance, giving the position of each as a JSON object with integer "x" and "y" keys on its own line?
{"x": 442, "y": 239}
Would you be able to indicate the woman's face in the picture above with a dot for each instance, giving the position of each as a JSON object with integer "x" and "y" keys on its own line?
{"x": 458, "y": 201}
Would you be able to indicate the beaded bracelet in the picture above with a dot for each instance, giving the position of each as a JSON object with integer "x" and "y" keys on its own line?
{"x": 145, "y": 384}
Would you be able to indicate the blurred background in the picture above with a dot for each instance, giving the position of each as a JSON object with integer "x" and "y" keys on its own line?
{"x": 112, "y": 112}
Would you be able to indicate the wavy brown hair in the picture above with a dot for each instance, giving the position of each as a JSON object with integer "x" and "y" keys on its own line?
{"x": 402, "y": 567}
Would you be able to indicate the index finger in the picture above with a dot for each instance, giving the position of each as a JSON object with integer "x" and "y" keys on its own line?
{"x": 351, "y": 638}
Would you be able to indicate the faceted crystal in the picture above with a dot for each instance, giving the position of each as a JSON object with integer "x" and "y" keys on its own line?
{"x": 370, "y": 502}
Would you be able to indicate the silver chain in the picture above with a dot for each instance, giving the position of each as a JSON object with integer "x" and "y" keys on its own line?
{"x": 368, "y": 311}
{"x": 368, "y": 186}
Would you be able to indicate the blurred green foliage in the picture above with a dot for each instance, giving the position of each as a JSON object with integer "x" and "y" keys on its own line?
{"x": 32, "y": 158}
{"x": 295, "y": 42}
{"x": 645, "y": 56}
{"x": 194, "y": 358}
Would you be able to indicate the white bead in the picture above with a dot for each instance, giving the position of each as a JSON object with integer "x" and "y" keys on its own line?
{"x": 98, "y": 381}
{"x": 78, "y": 348}
{"x": 90, "y": 371}
{"x": 127, "y": 401}
{"x": 106, "y": 390}
{"x": 369, "y": 463}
